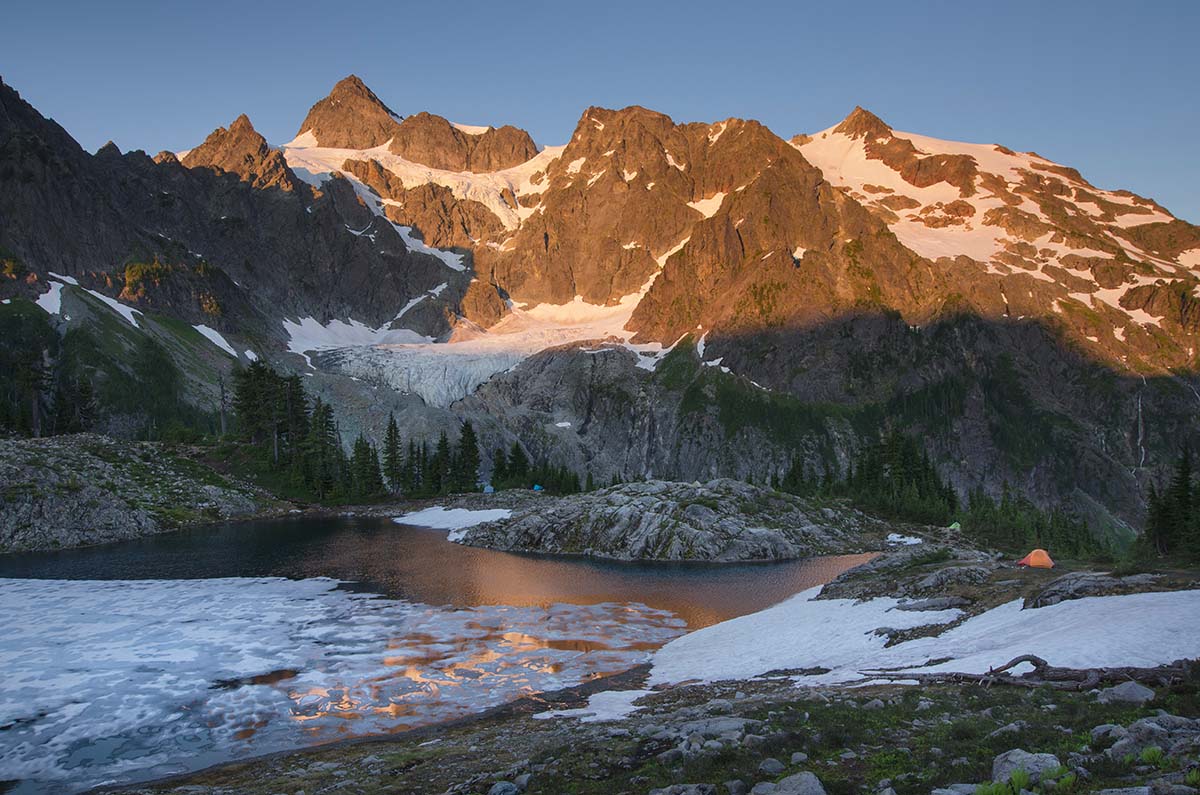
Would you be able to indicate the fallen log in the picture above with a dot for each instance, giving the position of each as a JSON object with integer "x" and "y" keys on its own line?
{"x": 1046, "y": 675}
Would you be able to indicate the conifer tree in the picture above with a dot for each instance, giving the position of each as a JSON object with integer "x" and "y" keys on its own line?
{"x": 393, "y": 464}
{"x": 500, "y": 468}
{"x": 466, "y": 460}
{"x": 518, "y": 466}
{"x": 441, "y": 482}
{"x": 364, "y": 469}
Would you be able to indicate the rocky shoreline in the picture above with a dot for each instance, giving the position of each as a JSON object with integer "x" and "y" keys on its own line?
{"x": 82, "y": 489}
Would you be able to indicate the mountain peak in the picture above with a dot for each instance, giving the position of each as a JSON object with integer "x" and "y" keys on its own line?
{"x": 242, "y": 150}
{"x": 350, "y": 117}
{"x": 242, "y": 125}
{"x": 861, "y": 123}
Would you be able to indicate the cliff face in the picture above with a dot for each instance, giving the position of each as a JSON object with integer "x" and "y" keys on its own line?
{"x": 352, "y": 117}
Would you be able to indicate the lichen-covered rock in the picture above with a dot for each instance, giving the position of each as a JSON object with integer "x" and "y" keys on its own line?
{"x": 69, "y": 491}
{"x": 1009, "y": 762}
{"x": 722, "y": 520}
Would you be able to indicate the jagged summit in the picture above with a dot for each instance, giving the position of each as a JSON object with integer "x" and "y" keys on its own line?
{"x": 353, "y": 117}
{"x": 241, "y": 150}
{"x": 862, "y": 123}
{"x": 350, "y": 117}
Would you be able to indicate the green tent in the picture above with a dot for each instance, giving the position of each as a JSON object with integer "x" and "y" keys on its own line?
{"x": 955, "y": 526}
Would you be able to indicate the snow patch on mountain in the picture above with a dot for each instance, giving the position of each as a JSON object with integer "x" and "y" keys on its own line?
{"x": 708, "y": 207}
{"x": 315, "y": 164}
{"x": 470, "y": 129}
{"x": 214, "y": 336}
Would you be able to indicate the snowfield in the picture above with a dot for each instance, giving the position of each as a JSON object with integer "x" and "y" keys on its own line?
{"x": 315, "y": 164}
{"x": 804, "y": 632}
{"x": 839, "y": 634}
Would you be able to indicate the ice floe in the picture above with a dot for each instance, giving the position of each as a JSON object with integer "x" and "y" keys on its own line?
{"x": 111, "y": 681}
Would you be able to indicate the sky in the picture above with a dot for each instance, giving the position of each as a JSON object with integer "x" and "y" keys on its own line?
{"x": 1106, "y": 87}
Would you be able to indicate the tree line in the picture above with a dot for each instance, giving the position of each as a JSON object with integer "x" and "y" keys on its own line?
{"x": 1173, "y": 512}
{"x": 302, "y": 439}
{"x": 895, "y": 478}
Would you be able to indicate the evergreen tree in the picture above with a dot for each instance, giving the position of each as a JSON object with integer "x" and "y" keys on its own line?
{"x": 442, "y": 464}
{"x": 412, "y": 470}
{"x": 499, "y": 468}
{"x": 364, "y": 469}
{"x": 1180, "y": 501}
{"x": 466, "y": 460}
{"x": 393, "y": 464}
{"x": 322, "y": 452}
{"x": 518, "y": 467}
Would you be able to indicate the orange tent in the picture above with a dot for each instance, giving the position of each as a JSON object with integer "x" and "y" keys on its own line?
{"x": 1038, "y": 559}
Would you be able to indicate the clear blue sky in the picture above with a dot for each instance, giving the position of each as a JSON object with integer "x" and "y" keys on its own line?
{"x": 1108, "y": 87}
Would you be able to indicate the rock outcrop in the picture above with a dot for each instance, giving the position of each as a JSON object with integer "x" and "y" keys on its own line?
{"x": 722, "y": 520}
{"x": 69, "y": 491}
{"x": 432, "y": 141}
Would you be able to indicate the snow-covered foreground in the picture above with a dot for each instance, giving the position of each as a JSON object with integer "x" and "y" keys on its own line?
{"x": 119, "y": 680}
{"x": 1144, "y": 629}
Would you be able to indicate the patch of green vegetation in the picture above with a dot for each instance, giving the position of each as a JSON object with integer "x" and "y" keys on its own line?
{"x": 740, "y": 404}
{"x": 679, "y": 367}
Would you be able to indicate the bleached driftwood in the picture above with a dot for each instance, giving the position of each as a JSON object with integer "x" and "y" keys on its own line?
{"x": 1046, "y": 675}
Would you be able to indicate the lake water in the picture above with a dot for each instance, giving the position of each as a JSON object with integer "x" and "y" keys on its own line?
{"x": 150, "y": 657}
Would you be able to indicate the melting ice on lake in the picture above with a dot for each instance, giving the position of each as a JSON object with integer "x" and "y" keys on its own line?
{"x": 126, "y": 680}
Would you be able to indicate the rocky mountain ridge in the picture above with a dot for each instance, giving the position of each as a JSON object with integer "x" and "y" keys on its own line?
{"x": 844, "y": 279}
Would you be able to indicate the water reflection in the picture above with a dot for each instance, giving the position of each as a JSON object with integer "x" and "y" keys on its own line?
{"x": 421, "y": 565}
{"x": 145, "y": 658}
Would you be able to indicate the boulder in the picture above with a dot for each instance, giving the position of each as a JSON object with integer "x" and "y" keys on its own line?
{"x": 953, "y": 575}
{"x": 504, "y": 788}
{"x": 1079, "y": 584}
{"x": 800, "y": 784}
{"x": 1126, "y": 693}
{"x": 1007, "y": 763}
{"x": 771, "y": 767}
{"x": 934, "y": 603}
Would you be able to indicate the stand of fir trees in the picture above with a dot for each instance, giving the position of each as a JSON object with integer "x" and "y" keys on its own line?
{"x": 896, "y": 479}
{"x": 275, "y": 420}
{"x": 1173, "y": 513}
{"x": 511, "y": 470}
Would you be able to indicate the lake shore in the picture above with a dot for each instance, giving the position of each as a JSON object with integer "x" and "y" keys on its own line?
{"x": 768, "y": 728}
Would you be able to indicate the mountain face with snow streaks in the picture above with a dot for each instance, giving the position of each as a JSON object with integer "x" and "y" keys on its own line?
{"x": 859, "y": 267}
